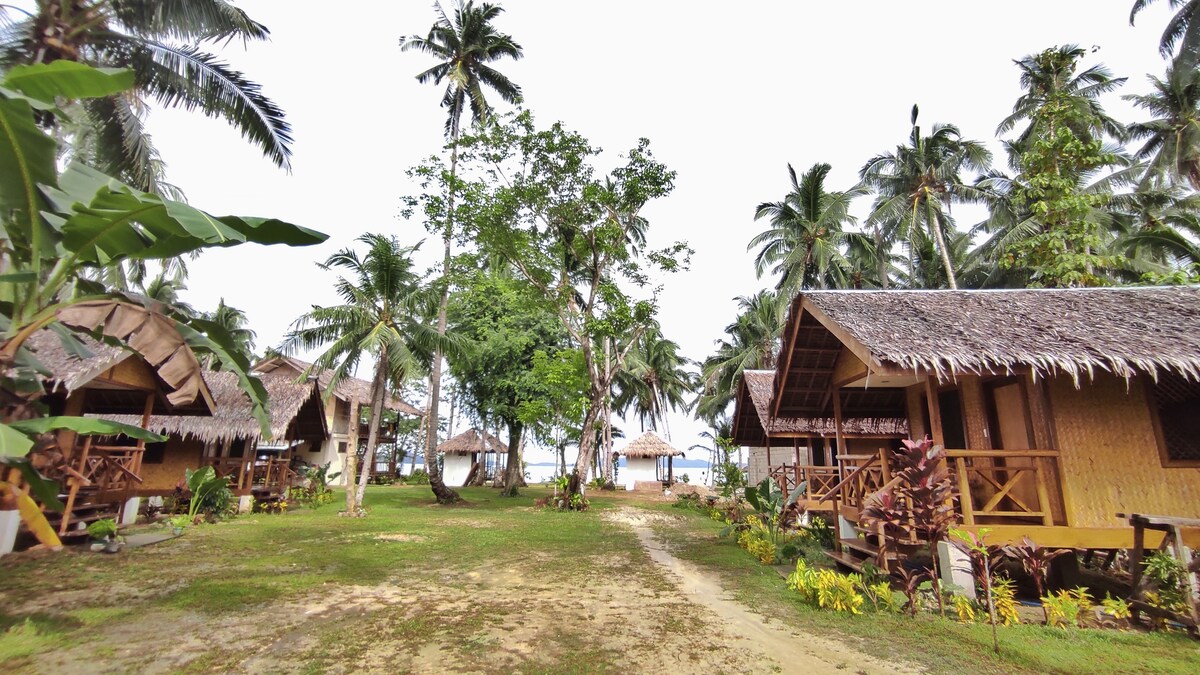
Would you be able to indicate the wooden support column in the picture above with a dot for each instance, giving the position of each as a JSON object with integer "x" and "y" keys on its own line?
{"x": 768, "y": 454}
{"x": 839, "y": 437}
{"x": 935, "y": 411}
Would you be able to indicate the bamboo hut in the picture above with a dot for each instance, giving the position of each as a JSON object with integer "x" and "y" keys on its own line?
{"x": 1059, "y": 409}
{"x": 99, "y": 478}
{"x": 232, "y": 442}
{"x": 467, "y": 454}
{"x": 343, "y": 410}
{"x": 648, "y": 459}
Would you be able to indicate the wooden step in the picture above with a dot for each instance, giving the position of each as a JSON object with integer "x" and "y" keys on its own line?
{"x": 865, "y": 547}
{"x": 846, "y": 559}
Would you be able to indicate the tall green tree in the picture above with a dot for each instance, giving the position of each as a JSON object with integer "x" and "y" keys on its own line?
{"x": 1054, "y": 75}
{"x": 1066, "y": 247}
{"x": 384, "y": 314}
{"x": 1171, "y": 138}
{"x": 162, "y": 44}
{"x": 465, "y": 44}
{"x": 236, "y": 324}
{"x": 504, "y": 324}
{"x": 916, "y": 185}
{"x": 568, "y": 233}
{"x": 804, "y": 243}
{"x": 1182, "y": 31}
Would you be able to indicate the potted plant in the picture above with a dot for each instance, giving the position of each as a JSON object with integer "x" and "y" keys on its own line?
{"x": 104, "y": 531}
{"x": 178, "y": 523}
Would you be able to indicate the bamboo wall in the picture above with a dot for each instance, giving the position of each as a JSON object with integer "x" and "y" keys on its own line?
{"x": 1110, "y": 457}
{"x": 177, "y": 456}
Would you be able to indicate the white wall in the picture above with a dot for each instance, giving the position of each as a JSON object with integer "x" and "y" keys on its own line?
{"x": 456, "y": 469}
{"x": 638, "y": 468}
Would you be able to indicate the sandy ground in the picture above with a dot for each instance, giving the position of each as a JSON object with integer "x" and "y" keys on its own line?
{"x": 616, "y": 612}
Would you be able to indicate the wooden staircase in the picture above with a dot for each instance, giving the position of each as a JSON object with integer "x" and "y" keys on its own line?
{"x": 88, "y": 507}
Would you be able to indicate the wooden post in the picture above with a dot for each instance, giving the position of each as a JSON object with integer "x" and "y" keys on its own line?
{"x": 670, "y": 471}
{"x": 935, "y": 411}
{"x": 768, "y": 454}
{"x": 1184, "y": 556}
{"x": 1039, "y": 474}
{"x": 839, "y": 439}
{"x": 964, "y": 491}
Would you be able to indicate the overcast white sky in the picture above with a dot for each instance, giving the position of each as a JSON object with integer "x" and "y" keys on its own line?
{"x": 728, "y": 94}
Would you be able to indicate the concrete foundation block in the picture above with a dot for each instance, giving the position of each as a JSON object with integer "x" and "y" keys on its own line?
{"x": 10, "y": 524}
{"x": 245, "y": 504}
{"x": 129, "y": 511}
{"x": 845, "y": 528}
{"x": 955, "y": 568}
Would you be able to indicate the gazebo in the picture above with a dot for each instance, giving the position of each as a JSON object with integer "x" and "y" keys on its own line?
{"x": 467, "y": 453}
{"x": 643, "y": 460}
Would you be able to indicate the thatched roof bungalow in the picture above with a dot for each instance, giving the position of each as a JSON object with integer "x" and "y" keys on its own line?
{"x": 349, "y": 389}
{"x": 465, "y": 456}
{"x": 644, "y": 461}
{"x": 1059, "y": 408}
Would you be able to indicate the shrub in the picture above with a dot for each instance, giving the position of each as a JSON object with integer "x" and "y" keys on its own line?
{"x": 827, "y": 589}
{"x": 418, "y": 477}
{"x": 103, "y": 529}
{"x": 1115, "y": 607}
{"x": 965, "y": 609}
{"x": 819, "y": 529}
{"x": 270, "y": 506}
{"x": 207, "y": 494}
{"x": 1067, "y": 608}
{"x": 1168, "y": 577}
{"x": 1004, "y": 597}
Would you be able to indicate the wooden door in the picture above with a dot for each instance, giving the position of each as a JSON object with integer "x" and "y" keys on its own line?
{"x": 1010, "y": 427}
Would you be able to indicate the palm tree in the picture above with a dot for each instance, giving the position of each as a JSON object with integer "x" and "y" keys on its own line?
{"x": 1162, "y": 226}
{"x": 1183, "y": 30}
{"x": 1172, "y": 137}
{"x": 235, "y": 323}
{"x": 753, "y": 343}
{"x": 806, "y": 234}
{"x": 464, "y": 45}
{"x": 385, "y": 313}
{"x": 916, "y": 185}
{"x": 653, "y": 381}
{"x": 160, "y": 42}
{"x": 1051, "y": 74}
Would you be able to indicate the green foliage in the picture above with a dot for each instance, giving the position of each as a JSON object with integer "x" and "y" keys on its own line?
{"x": 208, "y": 495}
{"x": 104, "y": 529}
{"x": 315, "y": 492}
{"x": 418, "y": 477}
{"x": 1004, "y": 597}
{"x": 728, "y": 477}
{"x": 964, "y": 607}
{"x": 1117, "y": 608}
{"x": 1168, "y": 577}
{"x": 1067, "y": 249}
{"x": 821, "y": 531}
{"x": 827, "y": 589}
{"x": 1067, "y": 608}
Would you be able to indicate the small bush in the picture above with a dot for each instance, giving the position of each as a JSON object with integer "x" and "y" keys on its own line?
{"x": 1004, "y": 598}
{"x": 418, "y": 477}
{"x": 827, "y": 589}
{"x": 1067, "y": 608}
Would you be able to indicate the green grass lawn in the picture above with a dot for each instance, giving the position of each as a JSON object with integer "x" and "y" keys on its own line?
{"x": 491, "y": 586}
{"x": 940, "y": 645}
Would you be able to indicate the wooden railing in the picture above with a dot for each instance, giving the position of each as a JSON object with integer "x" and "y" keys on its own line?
{"x": 236, "y": 469}
{"x": 107, "y": 468}
{"x": 820, "y": 479}
{"x": 273, "y": 474}
{"x": 866, "y": 475}
{"x": 1005, "y": 485}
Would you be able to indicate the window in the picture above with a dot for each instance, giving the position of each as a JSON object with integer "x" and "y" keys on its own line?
{"x": 1177, "y": 403}
{"x": 342, "y": 447}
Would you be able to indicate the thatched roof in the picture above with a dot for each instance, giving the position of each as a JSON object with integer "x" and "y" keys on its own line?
{"x": 69, "y": 372}
{"x": 1073, "y": 331}
{"x": 349, "y": 389}
{"x": 760, "y": 385}
{"x": 295, "y": 409}
{"x": 649, "y": 445}
{"x": 471, "y": 441}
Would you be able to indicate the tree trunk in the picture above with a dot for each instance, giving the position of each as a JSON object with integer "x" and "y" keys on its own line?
{"x": 512, "y": 473}
{"x": 883, "y": 258}
{"x": 587, "y": 447}
{"x": 378, "y": 389}
{"x": 606, "y": 464}
{"x": 939, "y": 240}
{"x": 351, "y": 493}
{"x": 444, "y": 494}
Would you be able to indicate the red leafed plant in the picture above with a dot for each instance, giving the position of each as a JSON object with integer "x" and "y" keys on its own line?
{"x": 1036, "y": 561}
{"x": 918, "y": 502}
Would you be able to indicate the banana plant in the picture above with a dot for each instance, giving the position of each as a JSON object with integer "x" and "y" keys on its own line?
{"x": 769, "y": 501}
{"x": 57, "y": 225}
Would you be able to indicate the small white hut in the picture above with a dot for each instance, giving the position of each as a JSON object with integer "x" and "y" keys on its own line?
{"x": 467, "y": 453}
{"x": 647, "y": 459}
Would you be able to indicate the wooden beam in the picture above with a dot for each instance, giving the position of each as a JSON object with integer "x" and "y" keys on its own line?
{"x": 794, "y": 318}
{"x": 935, "y": 411}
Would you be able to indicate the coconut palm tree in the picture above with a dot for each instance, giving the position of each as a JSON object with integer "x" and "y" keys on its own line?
{"x": 1162, "y": 226}
{"x": 653, "y": 381}
{"x": 161, "y": 43}
{"x": 465, "y": 45}
{"x": 915, "y": 186}
{"x": 235, "y": 323}
{"x": 385, "y": 314}
{"x": 803, "y": 244}
{"x": 1183, "y": 30}
{"x": 1171, "y": 138}
{"x": 753, "y": 343}
{"x": 1051, "y": 74}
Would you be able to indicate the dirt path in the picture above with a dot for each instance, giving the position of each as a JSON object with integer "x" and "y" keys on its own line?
{"x": 791, "y": 651}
